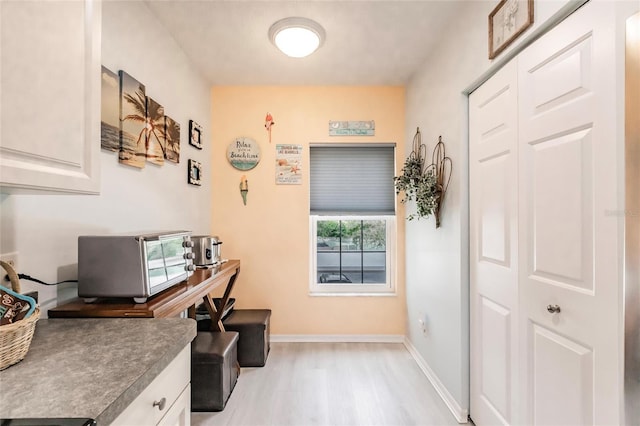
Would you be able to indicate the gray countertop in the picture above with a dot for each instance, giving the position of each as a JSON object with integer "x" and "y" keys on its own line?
{"x": 90, "y": 367}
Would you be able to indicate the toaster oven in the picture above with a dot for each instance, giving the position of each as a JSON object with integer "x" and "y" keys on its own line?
{"x": 137, "y": 265}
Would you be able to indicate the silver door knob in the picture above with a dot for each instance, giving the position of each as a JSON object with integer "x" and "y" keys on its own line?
{"x": 553, "y": 309}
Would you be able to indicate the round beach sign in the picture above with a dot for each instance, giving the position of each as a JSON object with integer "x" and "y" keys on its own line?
{"x": 243, "y": 153}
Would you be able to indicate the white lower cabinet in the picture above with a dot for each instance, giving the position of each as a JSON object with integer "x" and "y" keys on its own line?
{"x": 167, "y": 399}
{"x": 180, "y": 412}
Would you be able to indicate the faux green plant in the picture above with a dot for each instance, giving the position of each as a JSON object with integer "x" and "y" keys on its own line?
{"x": 427, "y": 196}
{"x": 425, "y": 185}
{"x": 423, "y": 188}
{"x": 407, "y": 182}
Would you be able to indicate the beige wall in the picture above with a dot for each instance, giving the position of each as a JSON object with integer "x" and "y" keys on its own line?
{"x": 271, "y": 233}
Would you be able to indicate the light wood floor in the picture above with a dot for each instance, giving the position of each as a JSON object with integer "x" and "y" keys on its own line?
{"x": 332, "y": 384}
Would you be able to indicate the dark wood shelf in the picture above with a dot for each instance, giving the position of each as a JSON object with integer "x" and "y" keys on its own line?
{"x": 169, "y": 303}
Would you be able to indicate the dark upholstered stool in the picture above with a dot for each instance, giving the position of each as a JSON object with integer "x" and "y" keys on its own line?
{"x": 214, "y": 369}
{"x": 253, "y": 326}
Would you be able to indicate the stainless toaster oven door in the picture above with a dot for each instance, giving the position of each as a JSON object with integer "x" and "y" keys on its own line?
{"x": 166, "y": 261}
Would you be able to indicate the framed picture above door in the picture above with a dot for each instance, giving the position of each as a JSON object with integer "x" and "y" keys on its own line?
{"x": 507, "y": 21}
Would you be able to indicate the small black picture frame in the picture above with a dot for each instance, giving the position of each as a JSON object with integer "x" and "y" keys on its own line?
{"x": 194, "y": 173}
{"x": 195, "y": 134}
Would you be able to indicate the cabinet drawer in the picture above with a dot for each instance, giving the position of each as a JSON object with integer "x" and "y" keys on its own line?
{"x": 169, "y": 384}
{"x": 180, "y": 412}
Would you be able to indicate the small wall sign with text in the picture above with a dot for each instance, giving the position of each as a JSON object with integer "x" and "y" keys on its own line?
{"x": 288, "y": 164}
{"x": 243, "y": 153}
{"x": 352, "y": 128}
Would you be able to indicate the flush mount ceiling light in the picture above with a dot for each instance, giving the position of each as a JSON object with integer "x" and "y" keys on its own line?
{"x": 297, "y": 37}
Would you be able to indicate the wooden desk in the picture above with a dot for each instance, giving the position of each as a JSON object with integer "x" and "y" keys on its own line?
{"x": 168, "y": 303}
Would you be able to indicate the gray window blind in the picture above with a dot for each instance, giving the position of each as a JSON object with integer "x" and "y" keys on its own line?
{"x": 352, "y": 179}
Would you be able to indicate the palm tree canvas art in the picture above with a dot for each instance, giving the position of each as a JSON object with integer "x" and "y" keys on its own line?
{"x": 133, "y": 121}
{"x": 172, "y": 139}
{"x": 155, "y": 141}
{"x": 110, "y": 111}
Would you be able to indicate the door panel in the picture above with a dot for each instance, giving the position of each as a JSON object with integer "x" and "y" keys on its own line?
{"x": 562, "y": 77}
{"x": 568, "y": 243}
{"x": 496, "y": 362}
{"x": 561, "y": 218}
{"x": 494, "y": 209}
{"x": 565, "y": 396}
{"x": 493, "y": 248}
{"x": 559, "y": 79}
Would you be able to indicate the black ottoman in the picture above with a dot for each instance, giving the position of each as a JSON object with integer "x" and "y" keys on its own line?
{"x": 253, "y": 326}
{"x": 214, "y": 369}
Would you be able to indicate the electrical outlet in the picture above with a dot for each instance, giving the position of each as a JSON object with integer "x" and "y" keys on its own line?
{"x": 423, "y": 324}
{"x": 11, "y": 259}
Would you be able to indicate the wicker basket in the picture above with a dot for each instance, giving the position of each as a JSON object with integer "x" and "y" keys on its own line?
{"x": 15, "y": 339}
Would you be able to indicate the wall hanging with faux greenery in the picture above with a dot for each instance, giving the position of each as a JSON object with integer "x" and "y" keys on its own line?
{"x": 426, "y": 184}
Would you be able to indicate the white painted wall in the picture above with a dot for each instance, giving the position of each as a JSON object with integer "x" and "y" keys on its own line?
{"x": 44, "y": 228}
{"x": 437, "y": 266}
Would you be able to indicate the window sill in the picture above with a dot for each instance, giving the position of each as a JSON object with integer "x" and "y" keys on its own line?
{"x": 340, "y": 294}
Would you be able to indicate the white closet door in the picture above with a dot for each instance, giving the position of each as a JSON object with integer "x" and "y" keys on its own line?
{"x": 493, "y": 162}
{"x": 569, "y": 236}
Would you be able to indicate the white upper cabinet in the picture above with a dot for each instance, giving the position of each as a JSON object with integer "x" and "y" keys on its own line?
{"x": 50, "y": 96}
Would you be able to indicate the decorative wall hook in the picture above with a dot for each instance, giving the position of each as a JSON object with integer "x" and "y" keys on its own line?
{"x": 427, "y": 184}
{"x": 419, "y": 150}
{"x": 441, "y": 166}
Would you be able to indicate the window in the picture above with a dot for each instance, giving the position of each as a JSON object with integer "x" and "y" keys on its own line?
{"x": 352, "y": 219}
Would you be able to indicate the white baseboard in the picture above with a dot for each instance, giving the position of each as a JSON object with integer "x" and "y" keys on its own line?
{"x": 338, "y": 338}
{"x": 459, "y": 413}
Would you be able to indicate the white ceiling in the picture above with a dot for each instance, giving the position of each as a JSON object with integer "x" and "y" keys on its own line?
{"x": 368, "y": 42}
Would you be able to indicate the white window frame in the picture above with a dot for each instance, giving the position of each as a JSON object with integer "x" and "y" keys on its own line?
{"x": 324, "y": 289}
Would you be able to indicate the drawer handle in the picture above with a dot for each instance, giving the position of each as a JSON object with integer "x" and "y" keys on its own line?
{"x": 553, "y": 309}
{"x": 160, "y": 404}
